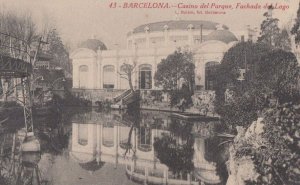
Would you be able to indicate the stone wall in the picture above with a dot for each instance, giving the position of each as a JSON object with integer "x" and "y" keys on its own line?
{"x": 203, "y": 102}
{"x": 241, "y": 168}
{"x": 94, "y": 95}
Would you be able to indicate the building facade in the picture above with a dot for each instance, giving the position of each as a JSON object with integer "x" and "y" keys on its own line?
{"x": 99, "y": 137}
{"x": 95, "y": 67}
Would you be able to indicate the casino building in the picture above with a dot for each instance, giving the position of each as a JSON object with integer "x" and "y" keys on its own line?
{"x": 96, "y": 68}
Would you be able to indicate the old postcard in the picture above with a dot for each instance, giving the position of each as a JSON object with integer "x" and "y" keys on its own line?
{"x": 125, "y": 92}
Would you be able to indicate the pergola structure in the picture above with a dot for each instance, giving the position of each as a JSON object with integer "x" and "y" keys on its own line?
{"x": 16, "y": 62}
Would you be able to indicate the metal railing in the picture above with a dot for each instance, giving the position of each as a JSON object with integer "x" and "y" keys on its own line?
{"x": 14, "y": 47}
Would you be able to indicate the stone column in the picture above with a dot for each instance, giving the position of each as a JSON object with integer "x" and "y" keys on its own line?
{"x": 154, "y": 68}
{"x": 189, "y": 178}
{"x": 91, "y": 137}
{"x": 98, "y": 74}
{"x": 198, "y": 75}
{"x": 99, "y": 60}
{"x": 166, "y": 35}
{"x": 202, "y": 71}
{"x": 116, "y": 143}
{"x": 190, "y": 34}
{"x": 117, "y": 69}
{"x": 153, "y": 134}
{"x": 118, "y": 85}
{"x": 166, "y": 173}
{"x": 132, "y": 166}
{"x": 152, "y": 142}
{"x": 135, "y": 76}
{"x": 74, "y": 135}
{"x": 75, "y": 75}
{"x": 101, "y": 75}
{"x": 99, "y": 141}
{"x": 147, "y": 30}
{"x": 146, "y": 174}
{"x": 95, "y": 75}
{"x": 133, "y": 138}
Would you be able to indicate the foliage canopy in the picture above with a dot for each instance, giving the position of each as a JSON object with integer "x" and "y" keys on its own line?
{"x": 177, "y": 66}
{"x": 176, "y": 75}
{"x": 269, "y": 75}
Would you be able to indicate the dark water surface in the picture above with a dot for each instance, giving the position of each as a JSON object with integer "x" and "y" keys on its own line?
{"x": 91, "y": 147}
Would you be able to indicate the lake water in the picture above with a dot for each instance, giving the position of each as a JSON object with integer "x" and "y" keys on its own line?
{"x": 91, "y": 147}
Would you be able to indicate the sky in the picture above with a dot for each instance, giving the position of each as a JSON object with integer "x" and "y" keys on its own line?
{"x": 78, "y": 20}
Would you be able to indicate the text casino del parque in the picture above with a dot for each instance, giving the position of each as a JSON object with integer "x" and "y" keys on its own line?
{"x": 203, "y": 5}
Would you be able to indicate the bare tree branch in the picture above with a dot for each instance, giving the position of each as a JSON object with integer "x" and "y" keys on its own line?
{"x": 123, "y": 77}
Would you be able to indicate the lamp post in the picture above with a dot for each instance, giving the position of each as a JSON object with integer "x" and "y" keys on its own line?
{"x": 55, "y": 81}
{"x": 61, "y": 79}
{"x": 37, "y": 78}
{"x": 33, "y": 81}
{"x": 49, "y": 92}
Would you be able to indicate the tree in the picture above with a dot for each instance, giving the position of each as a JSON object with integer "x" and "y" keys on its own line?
{"x": 20, "y": 26}
{"x": 177, "y": 69}
{"x": 296, "y": 28}
{"x": 271, "y": 33}
{"x": 269, "y": 28}
{"x": 17, "y": 39}
{"x": 23, "y": 32}
{"x": 127, "y": 71}
{"x": 132, "y": 117}
{"x": 284, "y": 42}
{"x": 242, "y": 110}
{"x": 278, "y": 76}
{"x": 58, "y": 51}
{"x": 269, "y": 74}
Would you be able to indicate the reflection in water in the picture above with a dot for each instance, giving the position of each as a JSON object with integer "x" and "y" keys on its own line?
{"x": 17, "y": 167}
{"x": 89, "y": 147}
{"x": 175, "y": 149}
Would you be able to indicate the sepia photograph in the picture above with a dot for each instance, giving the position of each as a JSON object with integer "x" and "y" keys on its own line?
{"x": 149, "y": 92}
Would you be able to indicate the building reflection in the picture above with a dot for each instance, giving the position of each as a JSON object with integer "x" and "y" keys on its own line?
{"x": 99, "y": 138}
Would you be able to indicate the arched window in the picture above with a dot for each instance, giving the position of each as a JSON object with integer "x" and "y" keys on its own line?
{"x": 108, "y": 135}
{"x": 83, "y": 76}
{"x": 145, "y": 76}
{"x": 210, "y": 75}
{"x": 83, "y": 134}
{"x": 109, "y": 77}
{"x": 123, "y": 137}
{"x": 144, "y": 139}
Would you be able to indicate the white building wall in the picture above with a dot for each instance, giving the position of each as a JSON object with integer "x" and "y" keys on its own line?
{"x": 150, "y": 53}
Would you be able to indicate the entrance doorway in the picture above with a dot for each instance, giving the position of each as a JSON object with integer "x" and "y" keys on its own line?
{"x": 210, "y": 75}
{"x": 109, "y": 77}
{"x": 145, "y": 76}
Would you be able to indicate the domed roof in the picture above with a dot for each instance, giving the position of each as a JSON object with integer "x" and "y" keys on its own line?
{"x": 222, "y": 35}
{"x": 93, "y": 44}
{"x": 177, "y": 25}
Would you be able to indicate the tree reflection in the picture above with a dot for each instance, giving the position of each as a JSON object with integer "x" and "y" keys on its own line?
{"x": 218, "y": 153}
{"x": 51, "y": 132}
{"x": 176, "y": 149}
{"x": 132, "y": 117}
{"x": 18, "y": 167}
